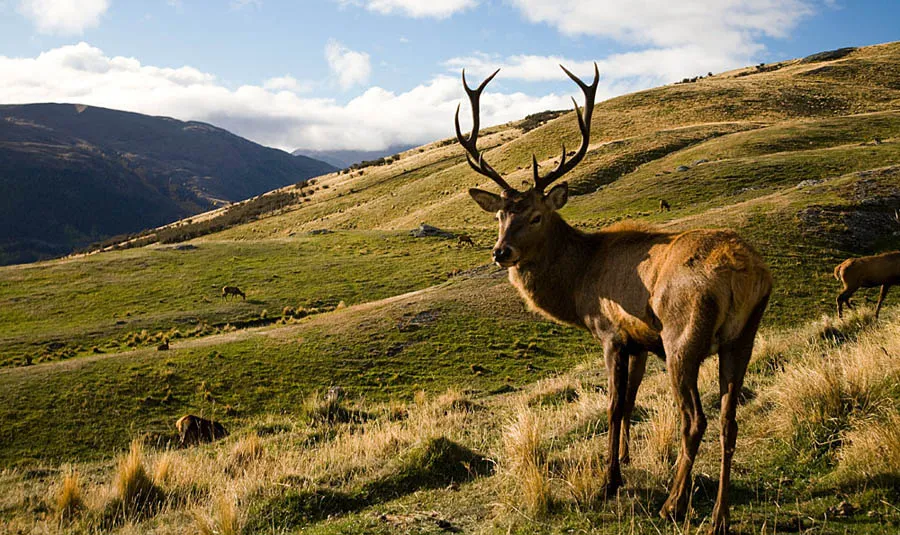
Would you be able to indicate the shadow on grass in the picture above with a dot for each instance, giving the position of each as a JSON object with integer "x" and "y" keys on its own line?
{"x": 433, "y": 464}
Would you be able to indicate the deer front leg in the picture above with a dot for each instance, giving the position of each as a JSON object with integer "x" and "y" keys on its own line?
{"x": 617, "y": 371}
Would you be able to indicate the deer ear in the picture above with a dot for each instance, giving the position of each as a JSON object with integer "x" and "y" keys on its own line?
{"x": 556, "y": 198}
{"x": 489, "y": 202}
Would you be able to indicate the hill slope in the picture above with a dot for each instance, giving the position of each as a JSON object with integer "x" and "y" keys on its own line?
{"x": 72, "y": 174}
{"x": 340, "y": 294}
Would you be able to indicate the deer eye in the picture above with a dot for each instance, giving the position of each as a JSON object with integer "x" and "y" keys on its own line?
{"x": 536, "y": 219}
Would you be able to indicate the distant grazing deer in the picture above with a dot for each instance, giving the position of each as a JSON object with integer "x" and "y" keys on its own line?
{"x": 664, "y": 205}
{"x": 195, "y": 430}
{"x": 680, "y": 295}
{"x": 867, "y": 272}
{"x": 463, "y": 239}
{"x": 233, "y": 290}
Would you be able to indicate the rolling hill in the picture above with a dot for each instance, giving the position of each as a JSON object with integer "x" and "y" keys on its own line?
{"x": 71, "y": 174}
{"x": 442, "y": 365}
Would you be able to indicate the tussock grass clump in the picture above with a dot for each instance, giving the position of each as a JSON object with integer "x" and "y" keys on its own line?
{"x": 555, "y": 391}
{"x": 871, "y": 453}
{"x": 69, "y": 497}
{"x": 525, "y": 462}
{"x": 328, "y": 408}
{"x": 840, "y": 330}
{"x": 245, "y": 452}
{"x": 583, "y": 475}
{"x": 224, "y": 518}
{"x": 137, "y": 494}
{"x": 455, "y": 400}
{"x": 662, "y": 433}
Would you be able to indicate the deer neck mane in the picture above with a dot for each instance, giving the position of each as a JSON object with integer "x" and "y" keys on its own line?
{"x": 549, "y": 283}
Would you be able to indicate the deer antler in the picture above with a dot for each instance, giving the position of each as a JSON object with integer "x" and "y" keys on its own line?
{"x": 472, "y": 154}
{"x": 584, "y": 124}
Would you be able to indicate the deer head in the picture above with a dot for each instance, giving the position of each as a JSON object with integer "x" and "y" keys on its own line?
{"x": 526, "y": 217}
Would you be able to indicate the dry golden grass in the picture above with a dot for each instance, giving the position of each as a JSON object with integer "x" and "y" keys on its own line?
{"x": 69, "y": 497}
{"x": 455, "y": 399}
{"x": 224, "y": 519}
{"x": 583, "y": 474}
{"x": 871, "y": 451}
{"x": 245, "y": 452}
{"x": 822, "y": 392}
{"x": 661, "y": 438}
{"x": 525, "y": 462}
{"x": 137, "y": 492}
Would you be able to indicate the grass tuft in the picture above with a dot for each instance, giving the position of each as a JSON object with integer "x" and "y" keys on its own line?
{"x": 137, "y": 494}
{"x": 525, "y": 462}
{"x": 69, "y": 497}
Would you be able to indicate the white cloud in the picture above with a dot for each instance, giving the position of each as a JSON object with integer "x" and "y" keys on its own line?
{"x": 439, "y": 9}
{"x": 726, "y": 26}
{"x": 350, "y": 67}
{"x": 65, "y": 17}
{"x": 287, "y": 83}
{"x": 273, "y": 114}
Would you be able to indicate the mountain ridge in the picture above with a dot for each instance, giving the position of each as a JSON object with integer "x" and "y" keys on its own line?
{"x": 73, "y": 174}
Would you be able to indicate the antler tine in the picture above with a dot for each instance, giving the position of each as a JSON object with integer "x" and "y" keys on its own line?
{"x": 584, "y": 126}
{"x": 471, "y": 143}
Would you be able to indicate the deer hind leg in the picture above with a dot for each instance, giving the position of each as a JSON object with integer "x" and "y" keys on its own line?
{"x": 636, "y": 365}
{"x": 617, "y": 370}
{"x": 685, "y": 353}
{"x": 881, "y": 296}
{"x": 733, "y": 361}
{"x": 844, "y": 299}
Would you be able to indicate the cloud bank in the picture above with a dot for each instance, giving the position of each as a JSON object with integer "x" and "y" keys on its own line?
{"x": 274, "y": 113}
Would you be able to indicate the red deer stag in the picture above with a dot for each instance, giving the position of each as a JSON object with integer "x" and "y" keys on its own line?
{"x": 867, "y": 272}
{"x": 680, "y": 295}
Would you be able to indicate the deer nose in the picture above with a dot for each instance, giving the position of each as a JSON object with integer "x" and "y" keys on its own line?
{"x": 501, "y": 254}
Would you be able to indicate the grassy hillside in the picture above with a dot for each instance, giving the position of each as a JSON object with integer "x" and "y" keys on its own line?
{"x": 442, "y": 365}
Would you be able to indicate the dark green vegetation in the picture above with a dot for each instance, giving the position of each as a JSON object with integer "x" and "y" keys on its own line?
{"x": 71, "y": 175}
{"x": 802, "y": 158}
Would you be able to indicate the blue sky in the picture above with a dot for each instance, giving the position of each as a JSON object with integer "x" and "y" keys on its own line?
{"x": 364, "y": 74}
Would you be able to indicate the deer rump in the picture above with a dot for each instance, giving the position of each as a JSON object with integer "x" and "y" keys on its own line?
{"x": 195, "y": 430}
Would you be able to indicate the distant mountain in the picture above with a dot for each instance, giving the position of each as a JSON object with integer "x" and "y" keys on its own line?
{"x": 73, "y": 174}
{"x": 345, "y": 158}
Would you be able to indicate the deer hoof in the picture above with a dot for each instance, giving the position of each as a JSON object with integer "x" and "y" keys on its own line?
{"x": 672, "y": 510}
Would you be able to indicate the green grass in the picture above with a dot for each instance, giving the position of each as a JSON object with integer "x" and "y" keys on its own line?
{"x": 100, "y": 299}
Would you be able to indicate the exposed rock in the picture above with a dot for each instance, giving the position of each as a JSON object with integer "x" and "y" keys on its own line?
{"x": 320, "y": 231}
{"x": 703, "y": 160}
{"x": 682, "y": 168}
{"x": 427, "y": 231}
{"x": 809, "y": 182}
{"x": 828, "y": 55}
{"x": 185, "y": 247}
